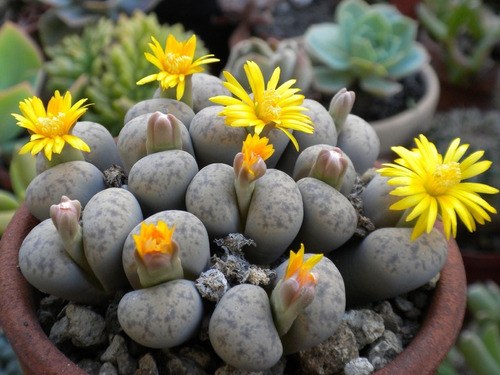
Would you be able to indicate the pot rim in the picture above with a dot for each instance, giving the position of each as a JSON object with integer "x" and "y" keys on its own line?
{"x": 38, "y": 355}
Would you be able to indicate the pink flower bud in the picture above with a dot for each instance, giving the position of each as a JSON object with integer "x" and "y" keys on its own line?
{"x": 330, "y": 167}
{"x": 163, "y": 133}
{"x": 340, "y": 106}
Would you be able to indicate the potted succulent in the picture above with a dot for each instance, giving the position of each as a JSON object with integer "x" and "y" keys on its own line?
{"x": 372, "y": 49}
{"x": 461, "y": 37}
{"x": 259, "y": 166}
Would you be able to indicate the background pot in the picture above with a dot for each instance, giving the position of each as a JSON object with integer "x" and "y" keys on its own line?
{"x": 400, "y": 129}
{"x": 37, "y": 355}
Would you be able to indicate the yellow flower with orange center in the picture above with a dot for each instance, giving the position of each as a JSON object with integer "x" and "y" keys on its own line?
{"x": 51, "y": 128}
{"x": 301, "y": 270}
{"x": 175, "y": 62}
{"x": 154, "y": 239}
{"x": 271, "y": 106}
{"x": 432, "y": 186}
{"x": 254, "y": 149}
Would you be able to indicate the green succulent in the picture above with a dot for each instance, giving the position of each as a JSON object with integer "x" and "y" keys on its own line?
{"x": 106, "y": 61}
{"x": 70, "y": 16}
{"x": 20, "y": 77}
{"x": 372, "y": 45}
{"x": 467, "y": 32}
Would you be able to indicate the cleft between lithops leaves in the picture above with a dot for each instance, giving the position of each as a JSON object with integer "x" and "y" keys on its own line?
{"x": 295, "y": 291}
{"x": 157, "y": 254}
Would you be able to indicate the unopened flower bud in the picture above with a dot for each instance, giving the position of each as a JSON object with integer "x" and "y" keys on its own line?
{"x": 66, "y": 219}
{"x": 163, "y": 133}
{"x": 330, "y": 167}
{"x": 340, "y": 106}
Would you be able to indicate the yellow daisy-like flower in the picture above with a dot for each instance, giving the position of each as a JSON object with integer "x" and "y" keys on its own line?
{"x": 255, "y": 148}
{"x": 154, "y": 239}
{"x": 273, "y": 106}
{"x": 432, "y": 186}
{"x": 175, "y": 63}
{"x": 301, "y": 270}
{"x": 50, "y": 129}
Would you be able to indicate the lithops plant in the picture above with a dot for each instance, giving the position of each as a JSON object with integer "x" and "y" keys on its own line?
{"x": 276, "y": 172}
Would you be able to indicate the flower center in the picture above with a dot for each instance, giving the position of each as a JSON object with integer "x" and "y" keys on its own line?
{"x": 443, "y": 178}
{"x": 269, "y": 109}
{"x": 51, "y": 125}
{"x": 177, "y": 64}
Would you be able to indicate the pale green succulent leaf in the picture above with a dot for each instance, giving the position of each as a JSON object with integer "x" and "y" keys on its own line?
{"x": 5, "y": 218}
{"x": 329, "y": 81}
{"x": 21, "y": 59}
{"x": 410, "y": 63}
{"x": 354, "y": 8}
{"x": 367, "y": 68}
{"x": 8, "y": 201}
{"x": 406, "y": 33}
{"x": 323, "y": 43}
{"x": 379, "y": 86}
{"x": 362, "y": 49}
{"x": 9, "y": 103}
{"x": 374, "y": 22}
{"x": 22, "y": 171}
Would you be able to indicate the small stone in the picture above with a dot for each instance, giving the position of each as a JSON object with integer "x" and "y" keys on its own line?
{"x": 366, "y": 325}
{"x": 392, "y": 321}
{"x": 116, "y": 347}
{"x": 147, "y": 365}
{"x": 59, "y": 331}
{"x": 330, "y": 356}
{"x": 126, "y": 364}
{"x": 384, "y": 350}
{"x": 183, "y": 366}
{"x": 86, "y": 327}
{"x": 420, "y": 299}
{"x": 409, "y": 330}
{"x": 403, "y": 304}
{"x": 199, "y": 355}
{"x": 107, "y": 368}
{"x": 358, "y": 366}
{"x": 90, "y": 366}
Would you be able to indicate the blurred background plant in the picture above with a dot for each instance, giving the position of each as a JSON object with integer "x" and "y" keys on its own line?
{"x": 288, "y": 54}
{"x": 22, "y": 170}
{"x": 64, "y": 17}
{"x": 106, "y": 61}
{"x": 466, "y": 32}
{"x": 373, "y": 46}
{"x": 20, "y": 77}
{"x": 477, "y": 351}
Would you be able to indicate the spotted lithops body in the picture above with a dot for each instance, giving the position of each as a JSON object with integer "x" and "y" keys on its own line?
{"x": 387, "y": 263}
{"x": 190, "y": 234}
{"x": 274, "y": 216}
{"x": 329, "y": 218}
{"x": 206, "y": 86}
{"x": 132, "y": 140}
{"x": 44, "y": 262}
{"x": 160, "y": 180}
{"x": 78, "y": 180}
{"x": 179, "y": 109}
{"x": 212, "y": 198}
{"x": 357, "y": 135}
{"x": 162, "y": 316}
{"x": 107, "y": 220}
{"x": 103, "y": 151}
{"x": 321, "y": 318}
{"x": 242, "y": 331}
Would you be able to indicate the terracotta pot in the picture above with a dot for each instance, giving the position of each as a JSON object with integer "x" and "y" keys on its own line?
{"x": 400, "y": 129}
{"x": 37, "y": 355}
{"x": 406, "y": 7}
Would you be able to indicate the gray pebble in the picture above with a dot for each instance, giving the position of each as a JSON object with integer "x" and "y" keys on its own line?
{"x": 86, "y": 327}
{"x": 366, "y": 325}
{"x": 358, "y": 366}
{"x": 384, "y": 350}
{"x": 107, "y": 368}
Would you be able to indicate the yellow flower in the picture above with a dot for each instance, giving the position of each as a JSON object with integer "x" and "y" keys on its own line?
{"x": 153, "y": 240}
{"x": 432, "y": 186}
{"x": 50, "y": 129}
{"x": 175, "y": 63}
{"x": 255, "y": 148}
{"x": 301, "y": 270}
{"x": 273, "y": 106}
